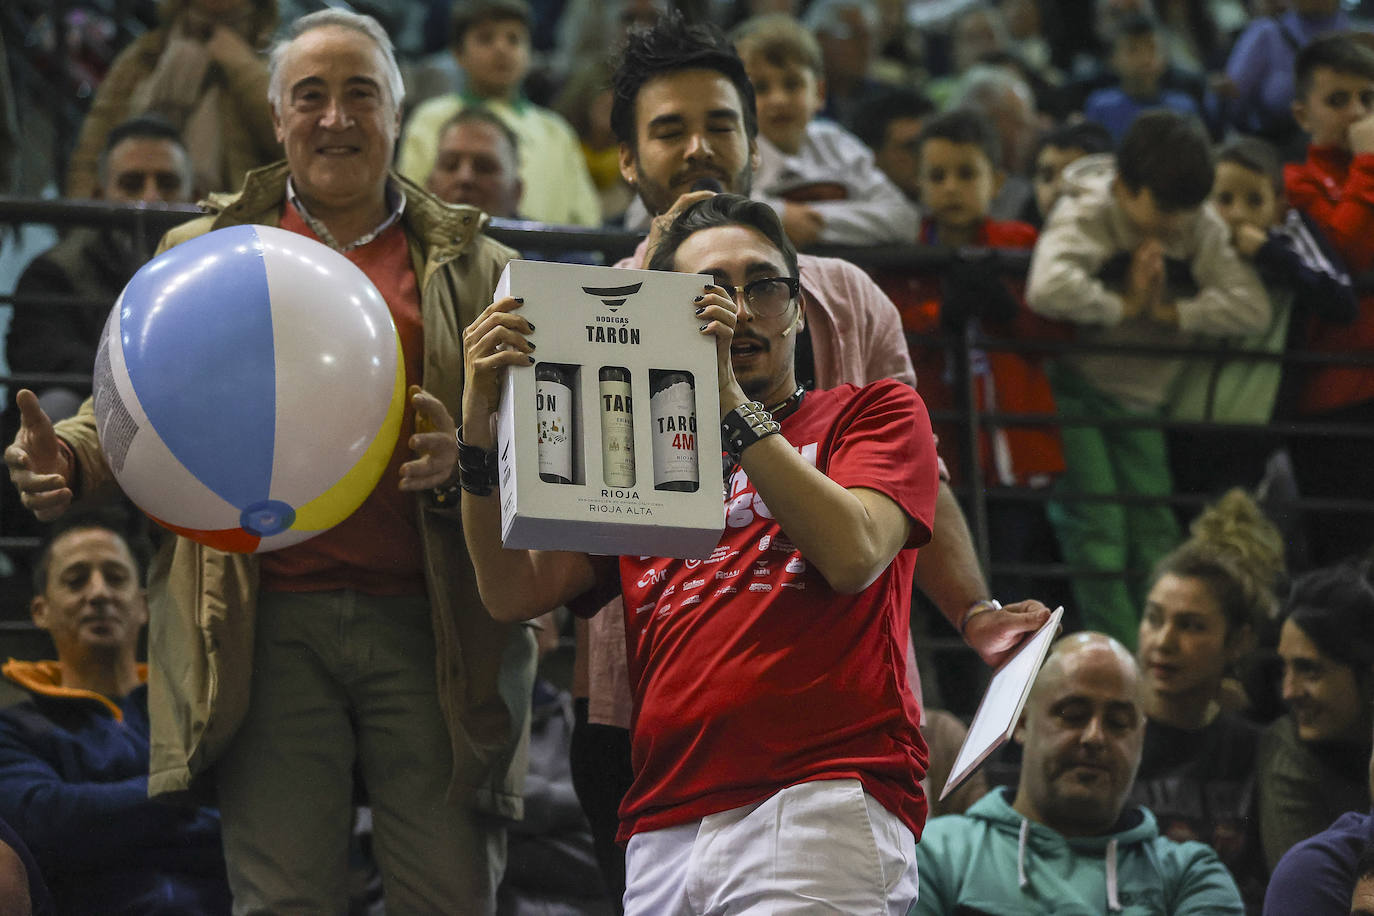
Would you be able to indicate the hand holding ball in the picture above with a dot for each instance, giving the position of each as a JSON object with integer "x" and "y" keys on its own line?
{"x": 249, "y": 388}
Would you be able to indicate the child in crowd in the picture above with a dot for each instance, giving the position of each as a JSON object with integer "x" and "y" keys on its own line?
{"x": 491, "y": 42}
{"x": 820, "y": 178}
{"x": 1303, "y": 279}
{"x": 959, "y": 177}
{"x": 1134, "y": 256}
{"x": 1057, "y": 148}
{"x": 1334, "y": 104}
{"x": 1138, "y": 57}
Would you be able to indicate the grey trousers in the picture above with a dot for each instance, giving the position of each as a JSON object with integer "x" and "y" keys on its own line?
{"x": 343, "y": 683}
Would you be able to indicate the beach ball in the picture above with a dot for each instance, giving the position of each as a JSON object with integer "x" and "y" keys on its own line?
{"x": 249, "y": 388}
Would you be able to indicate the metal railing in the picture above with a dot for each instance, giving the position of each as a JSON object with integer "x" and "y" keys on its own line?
{"x": 146, "y": 225}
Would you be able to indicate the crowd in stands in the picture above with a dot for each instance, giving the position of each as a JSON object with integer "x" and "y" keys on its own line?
{"x": 1115, "y": 185}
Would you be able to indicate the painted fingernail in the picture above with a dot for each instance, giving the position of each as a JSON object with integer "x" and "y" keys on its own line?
{"x": 705, "y": 326}
{"x": 702, "y": 310}
{"x": 531, "y": 343}
{"x": 698, "y": 298}
{"x": 520, "y": 300}
{"x": 531, "y": 359}
{"x": 706, "y": 286}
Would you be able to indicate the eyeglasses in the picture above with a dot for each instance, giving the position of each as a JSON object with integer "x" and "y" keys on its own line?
{"x": 768, "y": 297}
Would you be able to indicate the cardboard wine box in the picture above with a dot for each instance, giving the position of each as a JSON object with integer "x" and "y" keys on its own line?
{"x": 610, "y": 443}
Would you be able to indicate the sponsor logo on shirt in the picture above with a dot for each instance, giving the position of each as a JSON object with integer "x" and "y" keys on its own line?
{"x": 781, "y": 544}
{"x": 721, "y": 554}
{"x": 778, "y": 542}
{"x": 693, "y": 583}
{"x": 727, "y": 573}
{"x": 724, "y": 590}
{"x": 799, "y": 585}
{"x": 652, "y": 577}
{"x": 795, "y": 565}
{"x": 690, "y": 599}
{"x": 644, "y": 608}
{"x": 761, "y": 570}
{"x": 760, "y": 586}
{"x": 692, "y": 564}
{"x": 668, "y": 591}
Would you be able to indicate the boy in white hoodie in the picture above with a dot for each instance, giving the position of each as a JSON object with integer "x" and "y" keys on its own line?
{"x": 1134, "y": 254}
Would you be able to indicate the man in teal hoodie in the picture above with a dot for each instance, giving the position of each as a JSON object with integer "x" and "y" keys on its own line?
{"x": 1066, "y": 842}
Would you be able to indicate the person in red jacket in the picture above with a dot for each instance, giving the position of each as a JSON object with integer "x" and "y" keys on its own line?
{"x": 1334, "y": 77}
{"x": 958, "y": 177}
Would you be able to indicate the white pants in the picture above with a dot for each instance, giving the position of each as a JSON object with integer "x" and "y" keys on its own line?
{"x": 818, "y": 847}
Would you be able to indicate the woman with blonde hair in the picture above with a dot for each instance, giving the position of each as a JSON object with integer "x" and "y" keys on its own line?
{"x": 1208, "y": 600}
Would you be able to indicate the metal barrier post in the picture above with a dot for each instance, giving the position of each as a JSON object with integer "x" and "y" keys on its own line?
{"x": 966, "y": 393}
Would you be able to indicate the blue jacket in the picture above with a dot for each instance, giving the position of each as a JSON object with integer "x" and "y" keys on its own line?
{"x": 74, "y": 786}
{"x": 1317, "y": 876}
{"x": 1115, "y": 110}
{"x": 1303, "y": 277}
{"x": 992, "y": 860}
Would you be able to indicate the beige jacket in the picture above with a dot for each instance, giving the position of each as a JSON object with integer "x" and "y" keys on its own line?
{"x": 202, "y": 602}
{"x": 247, "y": 137}
{"x": 1085, "y": 229}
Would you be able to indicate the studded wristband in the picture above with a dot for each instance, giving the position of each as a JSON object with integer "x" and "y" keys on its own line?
{"x": 477, "y": 469}
{"x": 745, "y": 425}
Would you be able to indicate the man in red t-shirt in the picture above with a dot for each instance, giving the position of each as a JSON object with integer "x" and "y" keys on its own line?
{"x": 775, "y": 741}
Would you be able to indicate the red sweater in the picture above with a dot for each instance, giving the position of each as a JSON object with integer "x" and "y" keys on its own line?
{"x": 1336, "y": 191}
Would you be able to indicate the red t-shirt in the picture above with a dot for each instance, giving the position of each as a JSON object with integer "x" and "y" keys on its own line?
{"x": 750, "y": 673}
{"x": 376, "y": 550}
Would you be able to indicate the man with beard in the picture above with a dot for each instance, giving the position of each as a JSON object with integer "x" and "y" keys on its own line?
{"x": 143, "y": 163}
{"x": 684, "y": 113}
{"x": 740, "y": 802}
{"x": 1067, "y": 841}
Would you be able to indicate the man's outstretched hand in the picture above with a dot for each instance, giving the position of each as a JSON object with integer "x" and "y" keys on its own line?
{"x": 38, "y": 466}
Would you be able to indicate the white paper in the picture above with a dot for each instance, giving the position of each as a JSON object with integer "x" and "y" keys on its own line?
{"x": 996, "y": 718}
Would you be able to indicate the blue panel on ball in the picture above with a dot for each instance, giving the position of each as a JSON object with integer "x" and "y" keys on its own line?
{"x": 196, "y": 329}
{"x": 266, "y": 518}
